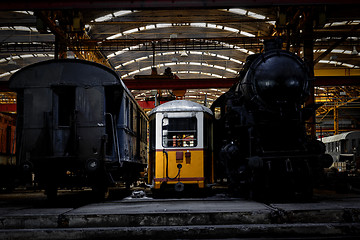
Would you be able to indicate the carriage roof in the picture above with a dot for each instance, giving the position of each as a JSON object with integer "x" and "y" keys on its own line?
{"x": 68, "y": 72}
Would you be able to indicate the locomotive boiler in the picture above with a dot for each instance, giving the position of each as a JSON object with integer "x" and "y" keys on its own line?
{"x": 78, "y": 126}
{"x": 259, "y": 131}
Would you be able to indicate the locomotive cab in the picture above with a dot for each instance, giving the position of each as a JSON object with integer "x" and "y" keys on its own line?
{"x": 180, "y": 146}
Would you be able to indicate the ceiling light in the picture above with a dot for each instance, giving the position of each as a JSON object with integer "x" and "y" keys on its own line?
{"x": 11, "y": 61}
{"x": 183, "y": 54}
{"x": 333, "y": 57}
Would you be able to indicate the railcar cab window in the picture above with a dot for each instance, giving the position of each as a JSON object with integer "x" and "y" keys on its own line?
{"x": 179, "y": 132}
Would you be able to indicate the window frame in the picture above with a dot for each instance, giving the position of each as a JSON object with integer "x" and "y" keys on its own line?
{"x": 193, "y": 141}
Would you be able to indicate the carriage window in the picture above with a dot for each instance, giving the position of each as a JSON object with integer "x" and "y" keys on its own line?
{"x": 179, "y": 132}
{"x": 127, "y": 110}
{"x": 131, "y": 117}
{"x": 217, "y": 112}
{"x": 152, "y": 134}
{"x": 143, "y": 129}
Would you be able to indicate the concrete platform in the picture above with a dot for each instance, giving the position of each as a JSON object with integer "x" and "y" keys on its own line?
{"x": 214, "y": 217}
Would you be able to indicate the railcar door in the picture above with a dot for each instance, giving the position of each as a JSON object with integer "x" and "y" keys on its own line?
{"x": 113, "y": 98}
{"x": 64, "y": 143}
{"x": 90, "y": 118}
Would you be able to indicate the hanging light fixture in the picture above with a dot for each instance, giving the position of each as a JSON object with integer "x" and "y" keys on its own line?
{"x": 183, "y": 54}
{"x": 354, "y": 51}
{"x": 333, "y": 57}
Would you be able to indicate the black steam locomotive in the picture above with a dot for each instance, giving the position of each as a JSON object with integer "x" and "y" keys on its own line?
{"x": 78, "y": 125}
{"x": 259, "y": 131}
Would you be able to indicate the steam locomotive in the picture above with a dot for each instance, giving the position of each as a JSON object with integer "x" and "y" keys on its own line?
{"x": 259, "y": 132}
{"x": 78, "y": 126}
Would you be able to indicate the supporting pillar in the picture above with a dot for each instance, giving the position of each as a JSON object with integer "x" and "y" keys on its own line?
{"x": 179, "y": 93}
{"x": 309, "y": 58}
{"x": 336, "y": 120}
{"x": 60, "y": 48}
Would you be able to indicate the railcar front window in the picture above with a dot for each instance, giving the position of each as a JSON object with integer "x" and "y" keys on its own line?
{"x": 179, "y": 132}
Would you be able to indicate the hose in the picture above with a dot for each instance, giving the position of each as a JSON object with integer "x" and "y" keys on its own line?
{"x": 167, "y": 168}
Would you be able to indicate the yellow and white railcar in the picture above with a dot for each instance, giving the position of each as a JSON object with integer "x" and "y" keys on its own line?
{"x": 181, "y": 151}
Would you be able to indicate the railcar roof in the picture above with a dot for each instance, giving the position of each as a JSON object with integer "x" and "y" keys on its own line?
{"x": 341, "y": 136}
{"x": 180, "y": 106}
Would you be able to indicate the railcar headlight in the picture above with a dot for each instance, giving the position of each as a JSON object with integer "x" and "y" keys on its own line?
{"x": 179, "y": 187}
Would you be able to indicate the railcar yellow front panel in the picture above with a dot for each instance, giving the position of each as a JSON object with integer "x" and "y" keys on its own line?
{"x": 191, "y": 167}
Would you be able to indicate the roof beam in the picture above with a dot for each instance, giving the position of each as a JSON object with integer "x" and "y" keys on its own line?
{"x": 87, "y": 44}
{"x": 161, "y": 83}
{"x": 202, "y": 83}
{"x": 337, "y": 72}
{"x": 148, "y": 83}
{"x": 337, "y": 81}
{"x": 337, "y": 43}
{"x": 96, "y": 55}
{"x": 164, "y": 4}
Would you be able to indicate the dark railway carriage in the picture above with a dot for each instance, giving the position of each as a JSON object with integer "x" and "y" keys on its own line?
{"x": 78, "y": 125}
{"x": 259, "y": 134}
{"x": 7, "y": 152}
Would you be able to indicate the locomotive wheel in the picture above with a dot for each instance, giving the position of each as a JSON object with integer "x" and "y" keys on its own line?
{"x": 258, "y": 186}
{"x": 100, "y": 192}
{"x": 51, "y": 191}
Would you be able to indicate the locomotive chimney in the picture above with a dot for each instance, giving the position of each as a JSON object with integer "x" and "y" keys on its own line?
{"x": 273, "y": 44}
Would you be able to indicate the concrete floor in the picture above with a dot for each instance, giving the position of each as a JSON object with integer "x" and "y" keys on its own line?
{"x": 27, "y": 214}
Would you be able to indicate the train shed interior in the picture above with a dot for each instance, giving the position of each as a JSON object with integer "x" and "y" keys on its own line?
{"x": 192, "y": 50}
{"x": 88, "y": 163}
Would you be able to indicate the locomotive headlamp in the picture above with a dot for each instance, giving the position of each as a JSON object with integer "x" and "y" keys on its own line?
{"x": 92, "y": 164}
